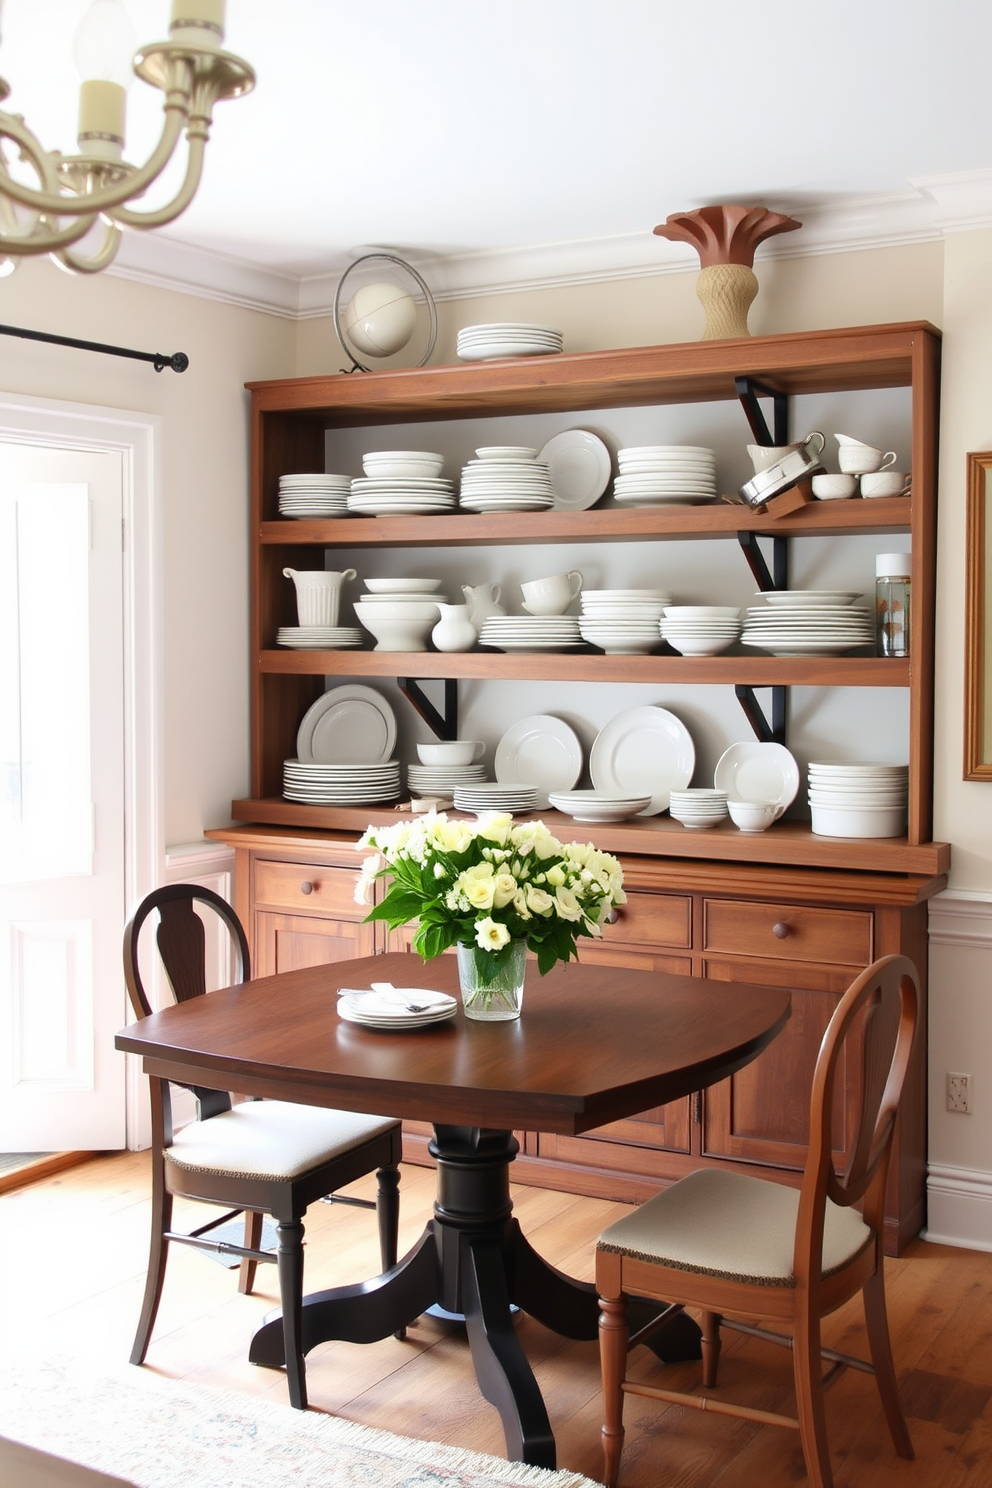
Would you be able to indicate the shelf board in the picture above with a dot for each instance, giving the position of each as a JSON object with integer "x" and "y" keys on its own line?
{"x": 606, "y": 524}
{"x": 561, "y": 666}
{"x": 786, "y": 843}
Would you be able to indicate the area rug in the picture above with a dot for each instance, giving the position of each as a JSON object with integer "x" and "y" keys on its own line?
{"x": 159, "y": 1433}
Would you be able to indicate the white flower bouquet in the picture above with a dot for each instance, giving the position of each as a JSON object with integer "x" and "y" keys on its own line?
{"x": 489, "y": 883}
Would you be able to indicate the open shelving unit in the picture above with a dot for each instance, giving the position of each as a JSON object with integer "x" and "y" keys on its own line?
{"x": 290, "y": 420}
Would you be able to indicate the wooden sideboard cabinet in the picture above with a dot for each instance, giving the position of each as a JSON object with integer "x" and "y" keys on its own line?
{"x": 810, "y": 930}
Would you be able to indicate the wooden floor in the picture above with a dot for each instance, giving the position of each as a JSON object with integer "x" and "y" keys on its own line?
{"x": 72, "y": 1260}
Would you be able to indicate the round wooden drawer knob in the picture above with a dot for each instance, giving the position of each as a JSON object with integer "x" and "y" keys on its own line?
{"x": 306, "y": 887}
{"x": 781, "y": 931}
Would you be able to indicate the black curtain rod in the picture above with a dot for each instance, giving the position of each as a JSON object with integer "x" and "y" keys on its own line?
{"x": 179, "y": 361}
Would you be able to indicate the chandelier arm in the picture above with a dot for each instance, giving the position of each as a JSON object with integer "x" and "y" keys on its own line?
{"x": 41, "y": 239}
{"x": 94, "y": 262}
{"x": 128, "y": 217}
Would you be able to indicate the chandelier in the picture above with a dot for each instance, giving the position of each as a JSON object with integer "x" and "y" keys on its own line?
{"x": 49, "y": 202}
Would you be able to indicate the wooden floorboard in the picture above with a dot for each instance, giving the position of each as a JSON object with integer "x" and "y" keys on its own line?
{"x": 73, "y": 1249}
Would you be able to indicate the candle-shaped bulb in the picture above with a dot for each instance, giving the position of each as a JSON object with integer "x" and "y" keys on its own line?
{"x": 198, "y": 23}
{"x": 105, "y": 44}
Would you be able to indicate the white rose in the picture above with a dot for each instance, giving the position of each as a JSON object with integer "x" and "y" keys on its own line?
{"x": 504, "y": 890}
{"x": 490, "y": 935}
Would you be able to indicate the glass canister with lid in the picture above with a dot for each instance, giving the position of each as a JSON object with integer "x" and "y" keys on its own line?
{"x": 893, "y": 594}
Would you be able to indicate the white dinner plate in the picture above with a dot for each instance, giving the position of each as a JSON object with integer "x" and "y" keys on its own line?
{"x": 643, "y": 751}
{"x": 348, "y": 725}
{"x": 580, "y": 468}
{"x": 541, "y": 750}
{"x": 757, "y": 772}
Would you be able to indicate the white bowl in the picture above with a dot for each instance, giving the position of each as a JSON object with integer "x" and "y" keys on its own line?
{"x": 450, "y": 752}
{"x": 701, "y": 612}
{"x": 402, "y": 586}
{"x": 515, "y": 453}
{"x": 400, "y": 635}
{"x": 383, "y": 463}
{"x": 689, "y": 645}
{"x": 834, "y": 821}
{"x": 834, "y": 487}
{"x": 397, "y": 609}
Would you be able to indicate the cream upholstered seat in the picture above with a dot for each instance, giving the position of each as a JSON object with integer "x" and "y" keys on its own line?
{"x": 726, "y": 1243}
{"x": 255, "y": 1157}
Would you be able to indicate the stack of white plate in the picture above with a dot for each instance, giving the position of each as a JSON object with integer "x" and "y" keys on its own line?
{"x": 340, "y": 785}
{"x": 401, "y": 496}
{"x": 319, "y": 637}
{"x": 313, "y": 495}
{"x": 531, "y": 632}
{"x": 506, "y": 478}
{"x": 508, "y": 338}
{"x": 622, "y": 622}
{"x": 393, "y": 1008}
{"x": 597, "y": 806}
{"x": 700, "y": 630}
{"x": 858, "y": 800}
{"x": 809, "y": 622}
{"x": 658, "y": 474}
{"x": 400, "y": 464}
{"x": 497, "y": 795}
{"x": 442, "y": 780}
{"x": 698, "y": 808}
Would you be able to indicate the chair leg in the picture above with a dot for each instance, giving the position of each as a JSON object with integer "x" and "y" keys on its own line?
{"x": 387, "y": 1204}
{"x": 881, "y": 1356}
{"x": 290, "y": 1264}
{"x": 158, "y": 1254}
{"x": 809, "y": 1398}
{"x": 711, "y": 1347}
{"x": 253, "y": 1240}
{"x": 614, "y": 1333}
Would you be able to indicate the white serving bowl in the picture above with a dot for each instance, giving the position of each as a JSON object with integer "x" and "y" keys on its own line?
{"x": 701, "y": 612}
{"x": 834, "y": 821}
{"x": 399, "y": 635}
{"x": 398, "y": 609}
{"x": 515, "y": 453}
{"x": 402, "y": 586}
{"x": 595, "y": 806}
{"x": 381, "y": 464}
{"x": 450, "y": 752}
{"x": 697, "y": 645}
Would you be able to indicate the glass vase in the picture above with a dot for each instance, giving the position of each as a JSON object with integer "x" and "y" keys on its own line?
{"x": 492, "y": 982}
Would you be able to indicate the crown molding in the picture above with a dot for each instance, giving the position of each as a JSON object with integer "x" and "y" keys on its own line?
{"x": 957, "y": 202}
{"x": 961, "y": 917}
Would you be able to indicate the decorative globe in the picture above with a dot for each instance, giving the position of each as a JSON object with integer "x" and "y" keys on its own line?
{"x": 380, "y": 319}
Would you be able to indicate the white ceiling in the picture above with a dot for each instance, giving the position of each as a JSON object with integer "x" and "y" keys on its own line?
{"x": 452, "y": 126}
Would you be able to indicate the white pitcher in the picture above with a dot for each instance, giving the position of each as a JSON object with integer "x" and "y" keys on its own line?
{"x": 318, "y": 594}
{"x": 483, "y": 601}
{"x": 454, "y": 631}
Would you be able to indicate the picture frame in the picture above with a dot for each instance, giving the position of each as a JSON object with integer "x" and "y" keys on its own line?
{"x": 978, "y": 621}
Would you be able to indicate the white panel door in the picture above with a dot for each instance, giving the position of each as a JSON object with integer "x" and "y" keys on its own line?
{"x": 61, "y": 799}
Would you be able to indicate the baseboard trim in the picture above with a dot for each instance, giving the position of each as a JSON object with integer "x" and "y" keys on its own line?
{"x": 959, "y": 1207}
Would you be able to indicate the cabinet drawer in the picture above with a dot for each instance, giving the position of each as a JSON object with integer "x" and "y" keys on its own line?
{"x": 787, "y": 932}
{"x": 307, "y": 889}
{"x": 652, "y": 920}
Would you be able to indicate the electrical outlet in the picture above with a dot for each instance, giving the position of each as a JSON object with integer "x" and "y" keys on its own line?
{"x": 958, "y": 1092}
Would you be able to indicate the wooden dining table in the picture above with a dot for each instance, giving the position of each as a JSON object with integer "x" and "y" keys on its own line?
{"x": 593, "y": 1044}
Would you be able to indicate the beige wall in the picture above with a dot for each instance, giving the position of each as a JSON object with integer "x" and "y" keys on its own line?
{"x": 205, "y": 463}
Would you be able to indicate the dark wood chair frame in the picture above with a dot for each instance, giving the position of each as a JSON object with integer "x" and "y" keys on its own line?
{"x": 181, "y": 941}
{"x": 880, "y": 1007}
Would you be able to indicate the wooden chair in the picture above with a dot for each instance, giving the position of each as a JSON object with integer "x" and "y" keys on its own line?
{"x": 726, "y": 1243}
{"x": 255, "y": 1157}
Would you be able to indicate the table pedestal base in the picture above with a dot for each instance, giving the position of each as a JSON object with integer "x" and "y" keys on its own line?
{"x": 472, "y": 1259}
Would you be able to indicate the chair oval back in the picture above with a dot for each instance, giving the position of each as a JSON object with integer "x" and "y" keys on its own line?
{"x": 880, "y": 1008}
{"x": 181, "y": 942}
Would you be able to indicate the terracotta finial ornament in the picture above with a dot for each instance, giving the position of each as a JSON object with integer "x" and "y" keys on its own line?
{"x": 725, "y": 239}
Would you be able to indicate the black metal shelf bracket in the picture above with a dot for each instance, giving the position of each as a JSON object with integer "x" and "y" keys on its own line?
{"x": 778, "y": 576}
{"x": 445, "y": 725}
{"x": 749, "y": 391}
{"x": 177, "y": 362}
{"x": 765, "y": 732}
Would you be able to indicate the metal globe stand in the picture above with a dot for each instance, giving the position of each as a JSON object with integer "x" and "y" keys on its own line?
{"x": 341, "y": 298}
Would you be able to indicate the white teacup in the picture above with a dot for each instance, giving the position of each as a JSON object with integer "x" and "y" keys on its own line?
{"x": 884, "y": 483}
{"x": 834, "y": 487}
{"x": 754, "y": 816}
{"x": 451, "y": 752}
{"x": 864, "y": 459}
{"x": 764, "y": 456}
{"x": 553, "y": 595}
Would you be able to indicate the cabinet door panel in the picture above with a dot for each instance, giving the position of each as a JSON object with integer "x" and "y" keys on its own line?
{"x": 288, "y": 942}
{"x": 761, "y": 1114}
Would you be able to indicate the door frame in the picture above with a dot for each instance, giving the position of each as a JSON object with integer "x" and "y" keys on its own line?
{"x": 138, "y": 438}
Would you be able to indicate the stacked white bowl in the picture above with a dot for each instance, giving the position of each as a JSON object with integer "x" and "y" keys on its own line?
{"x": 698, "y": 807}
{"x": 622, "y": 622}
{"x": 506, "y": 478}
{"x": 700, "y": 630}
{"x": 420, "y": 464}
{"x": 858, "y": 800}
{"x": 303, "y": 496}
{"x": 400, "y": 613}
{"x": 401, "y": 483}
{"x": 658, "y": 474}
{"x": 507, "y": 338}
